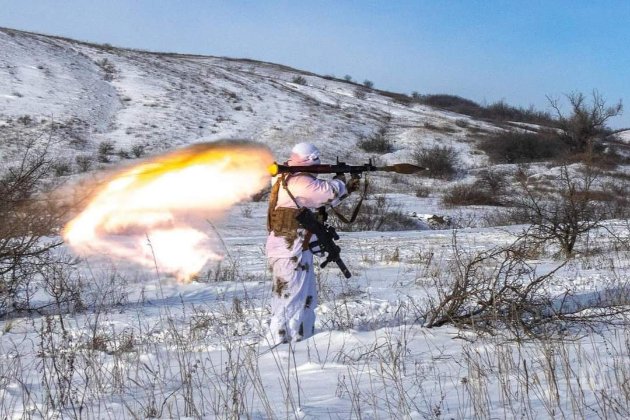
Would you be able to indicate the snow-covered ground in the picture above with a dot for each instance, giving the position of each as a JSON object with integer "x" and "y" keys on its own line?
{"x": 149, "y": 346}
{"x": 141, "y": 344}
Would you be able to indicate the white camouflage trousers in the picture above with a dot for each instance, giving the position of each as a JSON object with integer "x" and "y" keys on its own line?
{"x": 294, "y": 298}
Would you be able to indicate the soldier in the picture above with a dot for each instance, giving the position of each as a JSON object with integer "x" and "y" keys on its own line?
{"x": 294, "y": 288}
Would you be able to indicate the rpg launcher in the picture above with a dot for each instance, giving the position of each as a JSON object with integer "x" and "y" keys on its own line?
{"x": 325, "y": 243}
{"x": 343, "y": 168}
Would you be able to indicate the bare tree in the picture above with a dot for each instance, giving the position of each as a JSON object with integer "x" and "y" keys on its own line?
{"x": 28, "y": 219}
{"x": 586, "y": 122}
{"x": 564, "y": 213}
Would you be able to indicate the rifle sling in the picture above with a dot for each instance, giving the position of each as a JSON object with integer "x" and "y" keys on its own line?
{"x": 355, "y": 212}
{"x": 284, "y": 179}
{"x": 309, "y": 234}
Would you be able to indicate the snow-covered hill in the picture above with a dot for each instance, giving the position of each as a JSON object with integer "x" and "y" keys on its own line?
{"x": 161, "y": 101}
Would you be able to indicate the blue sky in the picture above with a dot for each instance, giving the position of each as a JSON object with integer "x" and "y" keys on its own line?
{"x": 518, "y": 51}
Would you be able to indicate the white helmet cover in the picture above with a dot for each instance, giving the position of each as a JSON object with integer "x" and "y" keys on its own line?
{"x": 304, "y": 154}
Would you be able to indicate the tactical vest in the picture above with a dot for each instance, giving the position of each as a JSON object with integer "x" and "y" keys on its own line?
{"x": 281, "y": 220}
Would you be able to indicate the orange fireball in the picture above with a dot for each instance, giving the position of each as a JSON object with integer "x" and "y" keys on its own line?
{"x": 155, "y": 212}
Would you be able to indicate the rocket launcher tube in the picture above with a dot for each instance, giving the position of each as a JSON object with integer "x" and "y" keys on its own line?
{"x": 343, "y": 168}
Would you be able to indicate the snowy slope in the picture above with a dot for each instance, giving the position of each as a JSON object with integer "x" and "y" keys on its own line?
{"x": 163, "y": 101}
{"x": 624, "y": 136}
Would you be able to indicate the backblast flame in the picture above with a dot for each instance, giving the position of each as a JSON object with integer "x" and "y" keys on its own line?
{"x": 156, "y": 212}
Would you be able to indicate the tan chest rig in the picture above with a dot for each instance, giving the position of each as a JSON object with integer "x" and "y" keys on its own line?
{"x": 281, "y": 220}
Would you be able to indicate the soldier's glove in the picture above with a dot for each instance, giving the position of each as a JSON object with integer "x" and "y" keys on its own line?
{"x": 353, "y": 185}
{"x": 341, "y": 177}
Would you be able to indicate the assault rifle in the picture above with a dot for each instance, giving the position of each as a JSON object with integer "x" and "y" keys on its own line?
{"x": 326, "y": 237}
{"x": 343, "y": 168}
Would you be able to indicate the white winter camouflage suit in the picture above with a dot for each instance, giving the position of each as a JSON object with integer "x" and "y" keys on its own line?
{"x": 294, "y": 290}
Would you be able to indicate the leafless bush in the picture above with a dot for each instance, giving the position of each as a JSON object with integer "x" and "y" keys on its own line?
{"x": 498, "y": 111}
{"x": 562, "y": 215}
{"x": 487, "y": 190}
{"x": 84, "y": 163}
{"x": 137, "y": 150}
{"x": 467, "y": 195}
{"x": 618, "y": 199}
{"x": 377, "y": 142}
{"x": 462, "y": 123}
{"x": 28, "y": 218}
{"x": 299, "y": 80}
{"x": 105, "y": 150}
{"x": 25, "y": 120}
{"x": 548, "y": 378}
{"x": 440, "y": 160}
{"x": 246, "y": 211}
{"x": 360, "y": 93}
{"x": 61, "y": 168}
{"x": 498, "y": 291}
{"x": 58, "y": 366}
{"x": 439, "y": 128}
{"x": 108, "y": 68}
{"x": 521, "y": 147}
{"x": 486, "y": 289}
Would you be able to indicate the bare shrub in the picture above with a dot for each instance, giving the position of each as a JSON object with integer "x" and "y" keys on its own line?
{"x": 468, "y": 195}
{"x": 498, "y": 290}
{"x": 439, "y": 128}
{"x": 108, "y": 68}
{"x": 61, "y": 168}
{"x": 377, "y": 142}
{"x": 299, "y": 80}
{"x": 487, "y": 190}
{"x": 84, "y": 163}
{"x": 137, "y": 150}
{"x": 504, "y": 112}
{"x": 499, "y": 111}
{"x": 618, "y": 199}
{"x": 359, "y": 93}
{"x": 123, "y": 154}
{"x": 565, "y": 213}
{"x": 440, "y": 160}
{"x": 105, "y": 150}
{"x": 368, "y": 84}
{"x": 246, "y": 211}
{"x": 28, "y": 218}
{"x": 25, "y": 120}
{"x": 521, "y": 147}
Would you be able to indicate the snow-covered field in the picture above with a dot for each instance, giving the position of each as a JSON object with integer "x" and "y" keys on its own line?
{"x": 148, "y": 346}
{"x": 139, "y": 344}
